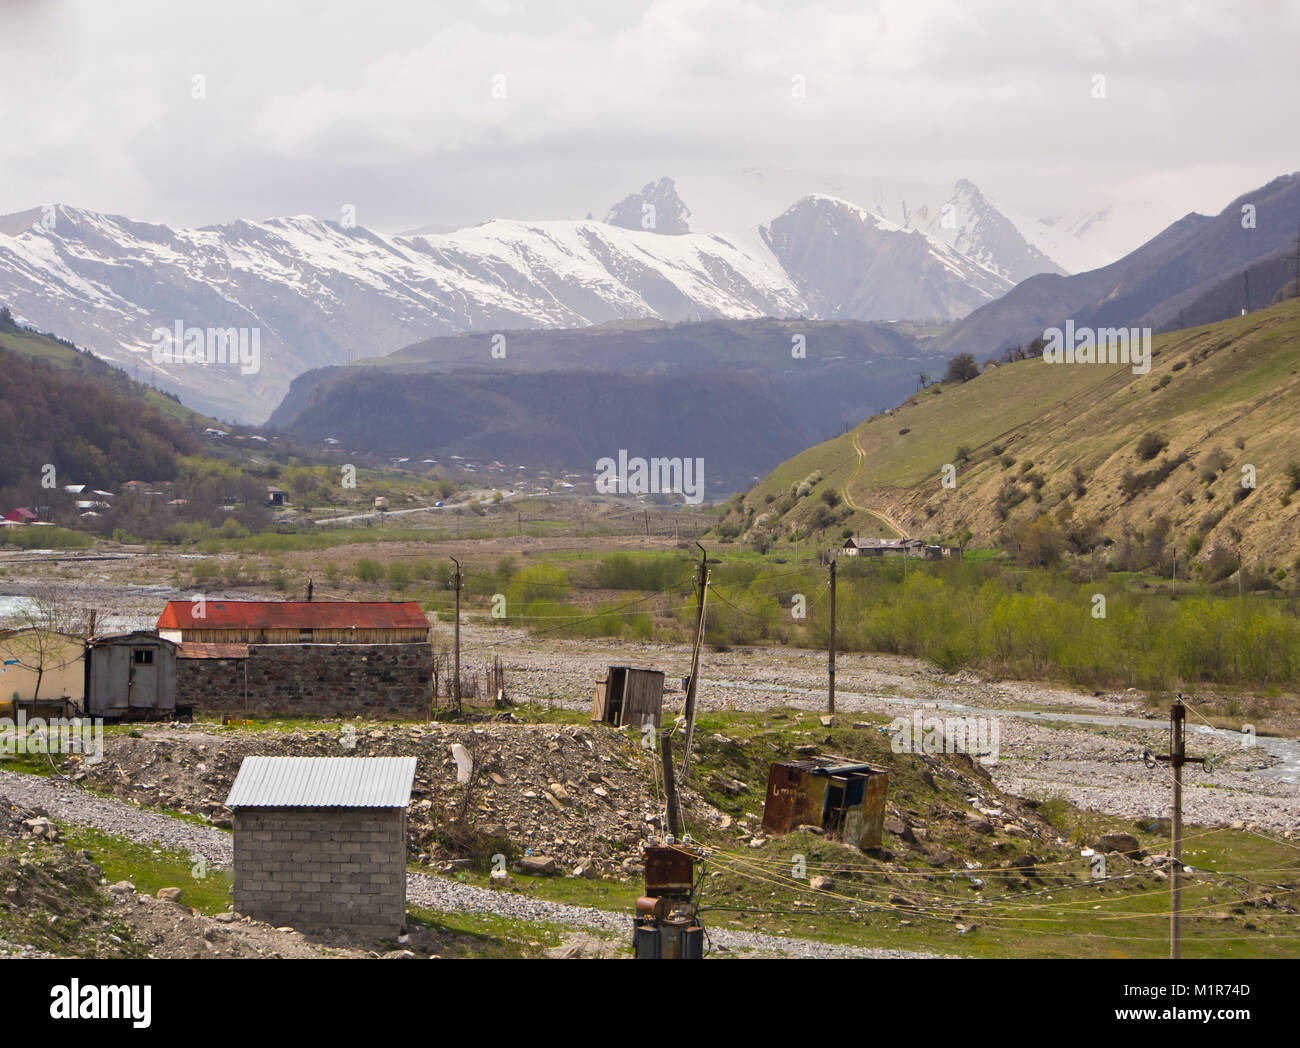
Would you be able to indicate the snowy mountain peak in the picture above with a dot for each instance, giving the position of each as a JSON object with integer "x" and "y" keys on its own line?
{"x": 657, "y": 208}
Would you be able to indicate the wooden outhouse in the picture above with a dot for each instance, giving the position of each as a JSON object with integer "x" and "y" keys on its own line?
{"x": 627, "y": 695}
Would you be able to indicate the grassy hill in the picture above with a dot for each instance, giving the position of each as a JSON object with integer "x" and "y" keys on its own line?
{"x": 64, "y": 355}
{"x": 1088, "y": 452}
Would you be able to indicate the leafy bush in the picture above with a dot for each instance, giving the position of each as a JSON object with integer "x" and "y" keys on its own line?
{"x": 368, "y": 570}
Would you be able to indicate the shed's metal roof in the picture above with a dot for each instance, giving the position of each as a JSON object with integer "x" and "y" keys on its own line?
{"x": 323, "y": 782}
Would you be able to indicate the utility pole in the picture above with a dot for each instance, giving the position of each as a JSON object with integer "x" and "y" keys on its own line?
{"x": 1176, "y": 758}
{"x": 695, "y": 659}
{"x": 830, "y": 694}
{"x": 670, "y": 785}
{"x": 455, "y": 685}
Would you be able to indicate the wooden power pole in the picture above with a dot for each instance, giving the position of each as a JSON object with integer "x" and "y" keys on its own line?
{"x": 455, "y": 680}
{"x": 830, "y": 666}
{"x": 1176, "y": 758}
{"x": 670, "y": 785}
{"x": 695, "y": 659}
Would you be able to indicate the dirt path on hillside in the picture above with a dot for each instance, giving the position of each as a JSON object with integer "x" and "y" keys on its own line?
{"x": 880, "y": 515}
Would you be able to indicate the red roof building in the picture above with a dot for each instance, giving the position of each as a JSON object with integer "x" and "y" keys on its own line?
{"x": 20, "y": 515}
{"x": 293, "y": 622}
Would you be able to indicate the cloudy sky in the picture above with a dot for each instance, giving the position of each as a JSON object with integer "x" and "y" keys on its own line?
{"x": 418, "y": 112}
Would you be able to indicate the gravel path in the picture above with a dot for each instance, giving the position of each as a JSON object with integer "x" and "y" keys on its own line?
{"x": 69, "y": 803}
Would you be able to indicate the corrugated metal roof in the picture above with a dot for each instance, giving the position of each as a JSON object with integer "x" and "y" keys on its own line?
{"x": 323, "y": 782}
{"x": 293, "y": 614}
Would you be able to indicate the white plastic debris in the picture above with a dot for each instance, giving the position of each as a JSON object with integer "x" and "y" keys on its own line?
{"x": 464, "y": 762}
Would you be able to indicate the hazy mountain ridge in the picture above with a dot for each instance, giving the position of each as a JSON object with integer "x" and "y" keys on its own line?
{"x": 1196, "y": 264}
{"x": 744, "y": 370}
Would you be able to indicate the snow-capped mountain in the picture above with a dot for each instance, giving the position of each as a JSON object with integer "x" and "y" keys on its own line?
{"x": 848, "y": 262}
{"x": 736, "y": 204}
{"x": 317, "y": 293}
{"x": 657, "y": 207}
{"x": 1114, "y": 229}
{"x": 308, "y": 293}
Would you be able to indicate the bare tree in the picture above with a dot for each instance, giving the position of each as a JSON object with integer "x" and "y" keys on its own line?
{"x": 44, "y": 625}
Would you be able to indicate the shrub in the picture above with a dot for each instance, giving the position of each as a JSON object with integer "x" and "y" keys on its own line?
{"x": 368, "y": 570}
{"x": 1150, "y": 445}
{"x": 206, "y": 571}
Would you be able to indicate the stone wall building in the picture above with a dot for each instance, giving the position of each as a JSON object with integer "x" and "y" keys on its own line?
{"x": 320, "y": 842}
{"x": 301, "y": 658}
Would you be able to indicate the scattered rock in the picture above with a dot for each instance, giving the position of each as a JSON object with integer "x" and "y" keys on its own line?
{"x": 1124, "y": 843}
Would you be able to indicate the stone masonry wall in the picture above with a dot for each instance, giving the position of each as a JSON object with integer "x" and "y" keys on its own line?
{"x": 296, "y": 680}
{"x": 322, "y": 868}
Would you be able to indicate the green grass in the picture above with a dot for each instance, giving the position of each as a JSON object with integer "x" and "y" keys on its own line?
{"x": 489, "y": 936}
{"x": 151, "y": 868}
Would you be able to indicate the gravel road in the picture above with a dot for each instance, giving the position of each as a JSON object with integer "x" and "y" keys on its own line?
{"x": 68, "y": 803}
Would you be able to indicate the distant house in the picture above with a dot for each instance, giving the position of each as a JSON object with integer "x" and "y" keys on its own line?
{"x": 856, "y": 547}
{"x": 275, "y": 497}
{"x": 19, "y": 515}
{"x": 57, "y": 659}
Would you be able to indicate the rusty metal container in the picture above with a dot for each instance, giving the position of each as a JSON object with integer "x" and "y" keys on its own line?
{"x": 841, "y": 797}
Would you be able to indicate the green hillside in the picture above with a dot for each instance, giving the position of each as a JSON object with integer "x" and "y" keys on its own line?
{"x": 64, "y": 355}
{"x": 1108, "y": 456}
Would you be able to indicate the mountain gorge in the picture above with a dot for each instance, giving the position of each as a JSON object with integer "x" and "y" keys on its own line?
{"x": 742, "y": 394}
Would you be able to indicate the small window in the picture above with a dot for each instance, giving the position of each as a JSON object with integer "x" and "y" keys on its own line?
{"x": 142, "y": 656}
{"x": 304, "y": 636}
